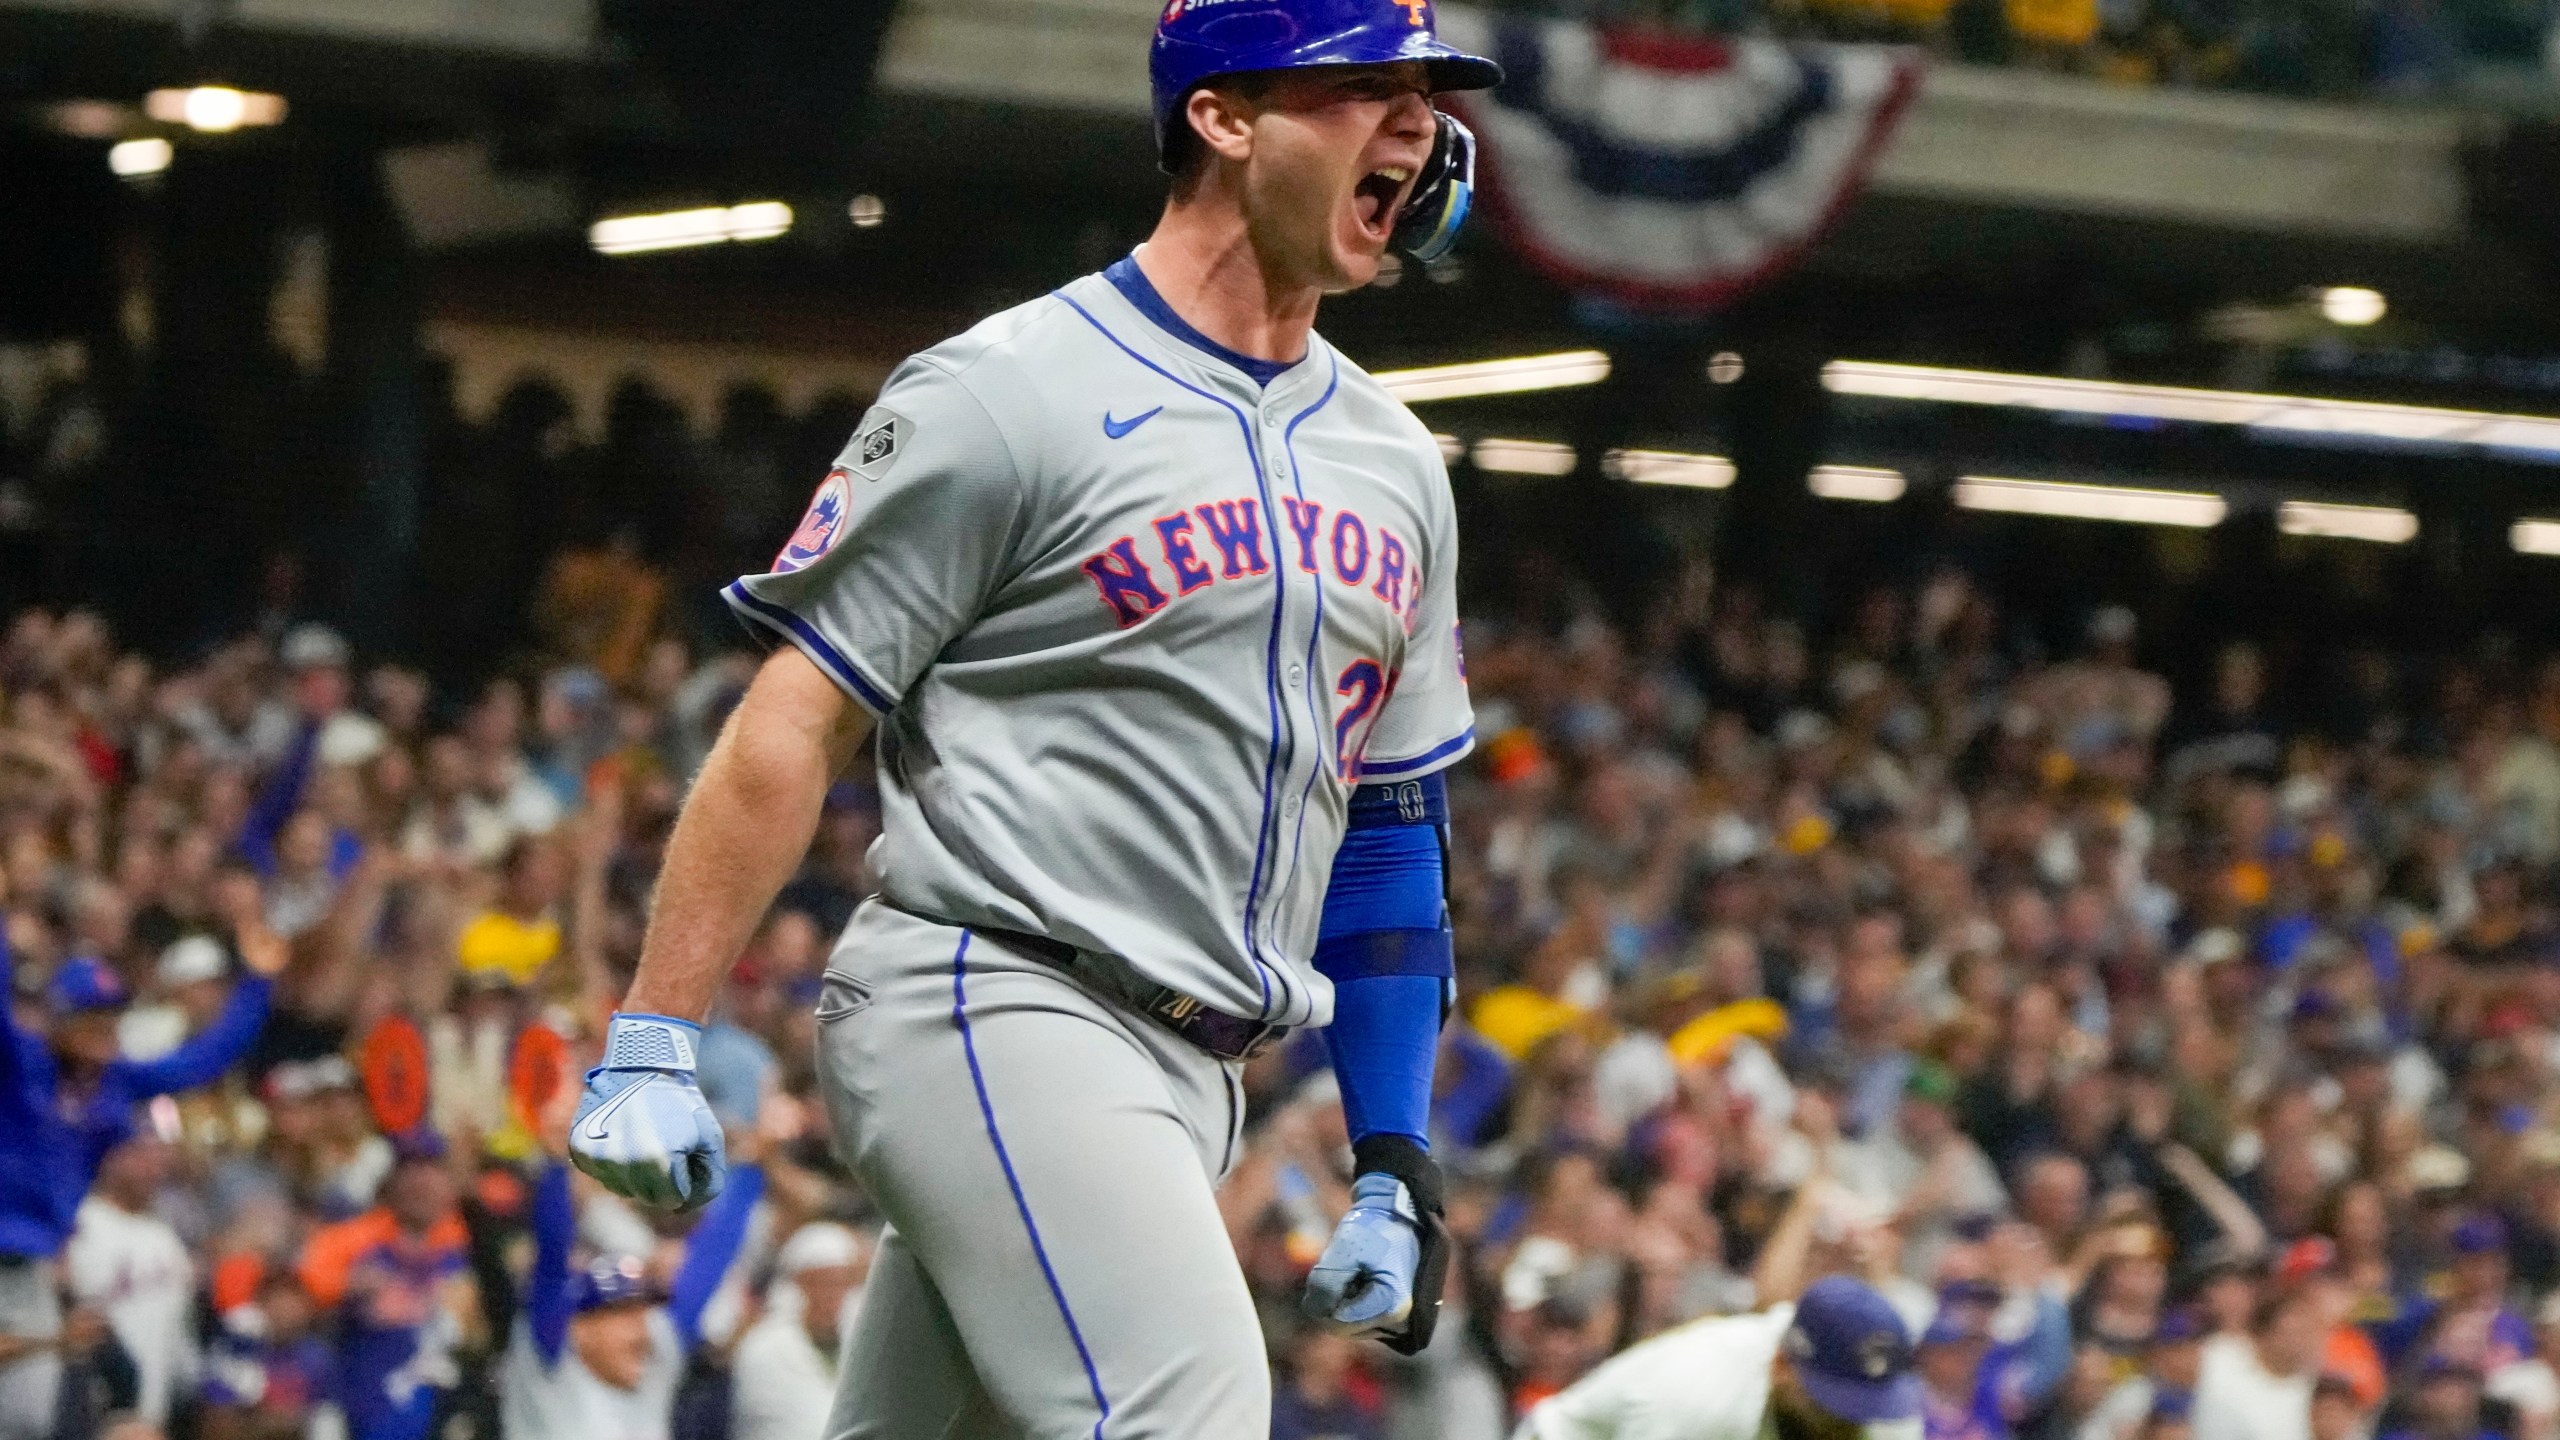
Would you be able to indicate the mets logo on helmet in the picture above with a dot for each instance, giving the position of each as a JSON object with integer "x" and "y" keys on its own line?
{"x": 819, "y": 527}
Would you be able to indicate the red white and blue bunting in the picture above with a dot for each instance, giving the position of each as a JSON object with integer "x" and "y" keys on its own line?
{"x": 1671, "y": 172}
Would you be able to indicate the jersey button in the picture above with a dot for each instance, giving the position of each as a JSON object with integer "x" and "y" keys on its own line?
{"x": 1297, "y": 674}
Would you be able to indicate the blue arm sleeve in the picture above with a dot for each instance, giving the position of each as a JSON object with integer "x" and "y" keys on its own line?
{"x": 277, "y": 801}
{"x": 204, "y": 1057}
{"x": 1384, "y": 943}
{"x": 711, "y": 1250}
{"x": 546, "y": 1288}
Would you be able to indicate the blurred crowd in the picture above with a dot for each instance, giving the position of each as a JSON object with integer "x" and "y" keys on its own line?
{"x": 2179, "y": 1064}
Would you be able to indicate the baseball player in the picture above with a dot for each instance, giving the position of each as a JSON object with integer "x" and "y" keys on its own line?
{"x": 1833, "y": 1365}
{"x": 1149, "y": 594}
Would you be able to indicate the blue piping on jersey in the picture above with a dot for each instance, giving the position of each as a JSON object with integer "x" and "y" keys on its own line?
{"x": 1441, "y": 751}
{"x": 1263, "y": 973}
{"x": 1147, "y": 300}
{"x": 791, "y": 627}
{"x": 1314, "y": 689}
{"x": 1013, "y": 1182}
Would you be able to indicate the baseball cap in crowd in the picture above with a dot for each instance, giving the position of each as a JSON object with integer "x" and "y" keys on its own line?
{"x": 84, "y": 983}
{"x": 309, "y": 646}
{"x": 2214, "y": 1261}
{"x": 610, "y": 1280}
{"x": 818, "y": 1245}
{"x": 419, "y": 1146}
{"x": 302, "y": 1079}
{"x": 2306, "y": 1257}
{"x": 192, "y": 960}
{"x": 2214, "y": 946}
{"x": 1851, "y": 1353}
{"x": 2480, "y": 1233}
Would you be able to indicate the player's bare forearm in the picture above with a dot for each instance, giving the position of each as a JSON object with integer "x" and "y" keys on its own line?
{"x": 743, "y": 829}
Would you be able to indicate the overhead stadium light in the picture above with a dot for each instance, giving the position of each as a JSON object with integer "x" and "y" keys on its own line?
{"x": 2386, "y": 524}
{"x": 136, "y": 158}
{"x": 2535, "y": 537}
{"x": 1525, "y": 457}
{"x": 2352, "y": 305}
{"x": 214, "y": 109}
{"x": 2531, "y": 436}
{"x": 2190, "y": 508}
{"x": 676, "y": 229}
{"x": 1559, "y": 371}
{"x": 1871, "y": 483}
{"x": 1668, "y": 467}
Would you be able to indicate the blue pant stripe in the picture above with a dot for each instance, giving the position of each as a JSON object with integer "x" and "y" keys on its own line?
{"x": 986, "y": 1108}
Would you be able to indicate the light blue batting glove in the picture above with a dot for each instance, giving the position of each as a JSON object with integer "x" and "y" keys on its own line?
{"x": 1363, "y": 1283}
{"x": 642, "y": 1128}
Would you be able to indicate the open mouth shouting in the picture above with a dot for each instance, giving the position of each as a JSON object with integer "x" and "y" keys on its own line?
{"x": 1377, "y": 198}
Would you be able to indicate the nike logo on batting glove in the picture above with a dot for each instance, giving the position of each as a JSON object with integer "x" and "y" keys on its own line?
{"x": 643, "y": 1129}
{"x": 1363, "y": 1282}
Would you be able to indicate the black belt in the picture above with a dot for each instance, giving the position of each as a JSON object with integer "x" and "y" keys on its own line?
{"x": 1229, "y": 1037}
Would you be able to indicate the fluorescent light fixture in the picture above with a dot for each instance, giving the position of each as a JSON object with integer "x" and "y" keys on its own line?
{"x": 2352, "y": 305}
{"x": 136, "y": 158}
{"x": 2293, "y": 414}
{"x": 2384, "y": 523}
{"x": 1525, "y": 457}
{"x": 1668, "y": 467}
{"x": 1497, "y": 377}
{"x": 2535, "y": 537}
{"x": 214, "y": 109}
{"x": 91, "y": 119}
{"x": 1856, "y": 482}
{"x": 1451, "y": 447}
{"x": 867, "y": 212}
{"x": 2189, "y": 508}
{"x": 675, "y": 229}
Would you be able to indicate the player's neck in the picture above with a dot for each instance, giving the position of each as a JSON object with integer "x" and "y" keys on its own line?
{"x": 1205, "y": 267}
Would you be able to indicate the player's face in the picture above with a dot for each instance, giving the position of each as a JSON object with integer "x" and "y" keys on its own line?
{"x": 613, "y": 1342}
{"x": 1335, "y": 153}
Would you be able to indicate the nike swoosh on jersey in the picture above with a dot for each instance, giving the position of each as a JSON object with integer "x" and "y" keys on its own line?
{"x": 1117, "y": 428}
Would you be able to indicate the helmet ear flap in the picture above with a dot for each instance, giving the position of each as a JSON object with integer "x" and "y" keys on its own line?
{"x": 1444, "y": 192}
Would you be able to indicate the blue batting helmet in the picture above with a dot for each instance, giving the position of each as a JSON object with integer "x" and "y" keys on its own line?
{"x": 1200, "y": 40}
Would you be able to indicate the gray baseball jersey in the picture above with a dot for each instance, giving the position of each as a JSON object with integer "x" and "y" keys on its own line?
{"x": 1135, "y": 626}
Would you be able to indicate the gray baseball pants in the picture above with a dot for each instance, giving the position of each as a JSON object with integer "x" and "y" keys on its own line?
{"x": 1055, "y": 1267}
